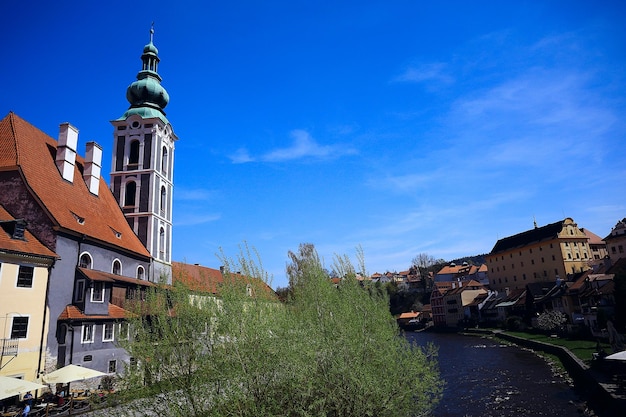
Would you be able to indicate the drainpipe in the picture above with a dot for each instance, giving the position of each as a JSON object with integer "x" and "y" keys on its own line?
{"x": 70, "y": 327}
{"x": 43, "y": 324}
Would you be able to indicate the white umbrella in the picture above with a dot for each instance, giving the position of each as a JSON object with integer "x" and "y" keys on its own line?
{"x": 15, "y": 386}
{"x": 71, "y": 373}
{"x": 619, "y": 356}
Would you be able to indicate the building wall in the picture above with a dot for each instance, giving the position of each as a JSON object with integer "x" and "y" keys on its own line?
{"x": 566, "y": 254}
{"x": 24, "y": 302}
{"x": 64, "y": 276}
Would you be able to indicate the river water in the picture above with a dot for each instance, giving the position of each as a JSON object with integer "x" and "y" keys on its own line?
{"x": 487, "y": 378}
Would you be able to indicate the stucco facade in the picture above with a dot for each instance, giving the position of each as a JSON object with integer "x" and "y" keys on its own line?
{"x": 546, "y": 253}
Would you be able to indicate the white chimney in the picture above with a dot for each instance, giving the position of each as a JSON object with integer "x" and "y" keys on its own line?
{"x": 66, "y": 151}
{"x": 93, "y": 165}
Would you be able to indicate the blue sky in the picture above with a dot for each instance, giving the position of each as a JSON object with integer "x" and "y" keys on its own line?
{"x": 403, "y": 127}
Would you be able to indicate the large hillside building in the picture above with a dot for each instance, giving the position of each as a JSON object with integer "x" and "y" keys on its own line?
{"x": 547, "y": 253}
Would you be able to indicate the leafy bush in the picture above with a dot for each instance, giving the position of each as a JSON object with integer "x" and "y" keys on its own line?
{"x": 551, "y": 321}
{"x": 328, "y": 351}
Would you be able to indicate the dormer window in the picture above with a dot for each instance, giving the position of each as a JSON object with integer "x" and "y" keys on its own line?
{"x": 97, "y": 292}
{"x": 79, "y": 219}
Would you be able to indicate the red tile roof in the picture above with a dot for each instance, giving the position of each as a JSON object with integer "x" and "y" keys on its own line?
{"x": 72, "y": 312}
{"x": 25, "y": 148}
{"x": 108, "y": 277}
{"x": 208, "y": 280}
{"x": 30, "y": 244}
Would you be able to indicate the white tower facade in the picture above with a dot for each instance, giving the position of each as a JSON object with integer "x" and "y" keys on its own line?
{"x": 142, "y": 170}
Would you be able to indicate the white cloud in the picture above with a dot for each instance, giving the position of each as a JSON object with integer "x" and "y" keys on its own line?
{"x": 241, "y": 156}
{"x": 189, "y": 218}
{"x": 303, "y": 146}
{"x": 197, "y": 194}
{"x": 425, "y": 72}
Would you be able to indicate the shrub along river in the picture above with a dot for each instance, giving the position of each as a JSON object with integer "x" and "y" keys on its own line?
{"x": 485, "y": 377}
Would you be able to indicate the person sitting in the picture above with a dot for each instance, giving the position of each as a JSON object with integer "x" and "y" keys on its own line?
{"x": 26, "y": 410}
{"x": 28, "y": 399}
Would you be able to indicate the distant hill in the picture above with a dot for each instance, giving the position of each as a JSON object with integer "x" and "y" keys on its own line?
{"x": 472, "y": 260}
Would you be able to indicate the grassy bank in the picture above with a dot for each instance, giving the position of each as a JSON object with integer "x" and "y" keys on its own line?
{"x": 583, "y": 349}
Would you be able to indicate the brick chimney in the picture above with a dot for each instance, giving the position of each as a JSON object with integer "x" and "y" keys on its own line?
{"x": 66, "y": 151}
{"x": 93, "y": 165}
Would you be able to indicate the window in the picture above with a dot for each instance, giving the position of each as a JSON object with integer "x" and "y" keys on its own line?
{"x": 87, "y": 335}
{"x": 85, "y": 261}
{"x": 79, "y": 292}
{"x": 123, "y": 330}
{"x": 25, "y": 276}
{"x": 107, "y": 332}
{"x": 162, "y": 206}
{"x": 141, "y": 272}
{"x": 620, "y": 249}
{"x": 133, "y": 158}
{"x": 129, "y": 196}
{"x": 62, "y": 334}
{"x": 87, "y": 358}
{"x": 164, "y": 160}
{"x": 112, "y": 366}
{"x": 117, "y": 267}
{"x": 162, "y": 243}
{"x": 19, "y": 329}
{"x": 97, "y": 292}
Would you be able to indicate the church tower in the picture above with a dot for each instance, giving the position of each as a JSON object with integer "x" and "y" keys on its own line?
{"x": 143, "y": 164}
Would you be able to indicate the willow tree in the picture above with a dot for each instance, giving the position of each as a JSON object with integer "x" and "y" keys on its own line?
{"x": 329, "y": 351}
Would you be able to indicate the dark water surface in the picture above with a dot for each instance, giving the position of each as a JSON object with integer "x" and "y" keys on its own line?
{"x": 486, "y": 378}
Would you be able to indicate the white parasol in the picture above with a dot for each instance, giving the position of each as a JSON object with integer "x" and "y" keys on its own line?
{"x": 15, "y": 386}
{"x": 71, "y": 373}
{"x": 619, "y": 356}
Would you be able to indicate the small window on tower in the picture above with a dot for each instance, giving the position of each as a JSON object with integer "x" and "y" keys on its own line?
{"x": 129, "y": 196}
{"x": 133, "y": 158}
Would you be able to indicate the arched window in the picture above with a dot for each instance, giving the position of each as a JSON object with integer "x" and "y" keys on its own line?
{"x": 133, "y": 158}
{"x": 85, "y": 261}
{"x": 164, "y": 160}
{"x": 141, "y": 272}
{"x": 163, "y": 196}
{"x": 117, "y": 267}
{"x": 131, "y": 191}
{"x": 162, "y": 243}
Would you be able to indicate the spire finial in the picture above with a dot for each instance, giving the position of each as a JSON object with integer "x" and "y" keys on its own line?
{"x": 535, "y": 222}
{"x": 151, "y": 32}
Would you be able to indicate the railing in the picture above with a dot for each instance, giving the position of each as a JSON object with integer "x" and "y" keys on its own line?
{"x": 10, "y": 347}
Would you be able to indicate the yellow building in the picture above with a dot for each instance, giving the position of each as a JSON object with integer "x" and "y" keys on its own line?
{"x": 547, "y": 253}
{"x": 24, "y": 269}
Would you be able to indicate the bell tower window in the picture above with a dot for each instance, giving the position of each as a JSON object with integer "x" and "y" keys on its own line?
{"x": 133, "y": 158}
{"x": 163, "y": 197}
{"x": 164, "y": 160}
{"x": 129, "y": 196}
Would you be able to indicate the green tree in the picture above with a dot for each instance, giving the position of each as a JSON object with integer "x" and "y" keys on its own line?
{"x": 327, "y": 351}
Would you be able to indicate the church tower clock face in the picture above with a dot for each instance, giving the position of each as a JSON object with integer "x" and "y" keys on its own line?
{"x": 142, "y": 170}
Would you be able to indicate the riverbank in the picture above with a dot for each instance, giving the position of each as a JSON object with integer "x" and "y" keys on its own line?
{"x": 598, "y": 383}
